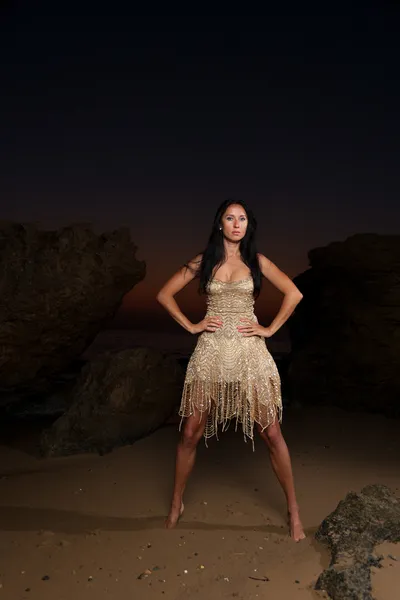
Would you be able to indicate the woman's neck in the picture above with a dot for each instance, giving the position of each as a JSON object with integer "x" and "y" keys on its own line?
{"x": 232, "y": 249}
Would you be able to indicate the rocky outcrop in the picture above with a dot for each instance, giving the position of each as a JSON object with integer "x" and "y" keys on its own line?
{"x": 58, "y": 289}
{"x": 118, "y": 399}
{"x": 345, "y": 333}
{"x": 358, "y": 524}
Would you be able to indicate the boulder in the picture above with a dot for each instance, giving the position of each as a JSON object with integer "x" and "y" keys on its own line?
{"x": 58, "y": 289}
{"x": 345, "y": 333}
{"x": 118, "y": 398}
{"x": 358, "y": 524}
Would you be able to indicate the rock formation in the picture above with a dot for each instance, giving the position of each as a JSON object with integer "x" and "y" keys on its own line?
{"x": 58, "y": 289}
{"x": 358, "y": 524}
{"x": 119, "y": 398}
{"x": 346, "y": 331}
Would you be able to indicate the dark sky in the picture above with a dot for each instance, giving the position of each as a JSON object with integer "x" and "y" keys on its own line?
{"x": 150, "y": 122}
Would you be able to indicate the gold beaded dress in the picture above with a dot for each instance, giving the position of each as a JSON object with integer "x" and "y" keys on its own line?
{"x": 230, "y": 375}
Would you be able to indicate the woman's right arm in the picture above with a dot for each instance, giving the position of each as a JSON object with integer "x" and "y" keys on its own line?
{"x": 176, "y": 283}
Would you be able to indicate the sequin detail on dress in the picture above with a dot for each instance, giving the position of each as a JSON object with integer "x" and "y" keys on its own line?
{"x": 228, "y": 374}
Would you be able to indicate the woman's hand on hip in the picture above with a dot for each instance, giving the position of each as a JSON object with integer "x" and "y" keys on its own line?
{"x": 250, "y": 328}
{"x": 210, "y": 324}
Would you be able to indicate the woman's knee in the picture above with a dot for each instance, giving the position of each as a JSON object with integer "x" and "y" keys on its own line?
{"x": 272, "y": 434}
{"x": 192, "y": 432}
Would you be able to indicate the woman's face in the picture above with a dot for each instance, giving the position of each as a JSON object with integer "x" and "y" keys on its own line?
{"x": 234, "y": 223}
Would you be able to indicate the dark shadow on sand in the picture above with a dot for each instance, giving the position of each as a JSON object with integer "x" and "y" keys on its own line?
{"x": 26, "y": 518}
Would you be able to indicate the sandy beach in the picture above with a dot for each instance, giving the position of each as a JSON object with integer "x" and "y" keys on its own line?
{"x": 90, "y": 526}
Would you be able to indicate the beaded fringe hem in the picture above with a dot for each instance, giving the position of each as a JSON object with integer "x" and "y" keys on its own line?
{"x": 228, "y": 400}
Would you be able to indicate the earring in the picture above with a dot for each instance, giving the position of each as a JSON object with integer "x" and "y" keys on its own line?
{"x": 220, "y": 228}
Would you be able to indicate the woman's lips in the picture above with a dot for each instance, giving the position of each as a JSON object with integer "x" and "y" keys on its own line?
{"x": 235, "y": 232}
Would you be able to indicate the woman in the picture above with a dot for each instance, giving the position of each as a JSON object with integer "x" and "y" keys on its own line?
{"x": 231, "y": 373}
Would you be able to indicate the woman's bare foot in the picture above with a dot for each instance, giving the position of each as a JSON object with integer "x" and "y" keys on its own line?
{"x": 174, "y": 515}
{"x": 295, "y": 525}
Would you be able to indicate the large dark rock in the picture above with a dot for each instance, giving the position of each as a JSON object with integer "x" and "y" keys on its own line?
{"x": 359, "y": 523}
{"x": 345, "y": 333}
{"x": 57, "y": 289}
{"x": 118, "y": 399}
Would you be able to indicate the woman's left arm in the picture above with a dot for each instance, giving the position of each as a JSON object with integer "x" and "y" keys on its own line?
{"x": 292, "y": 297}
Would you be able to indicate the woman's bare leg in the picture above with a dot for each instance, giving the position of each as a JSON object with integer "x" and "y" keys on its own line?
{"x": 281, "y": 464}
{"x": 185, "y": 459}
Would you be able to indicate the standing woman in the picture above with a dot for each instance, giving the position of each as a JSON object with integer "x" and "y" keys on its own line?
{"x": 231, "y": 372}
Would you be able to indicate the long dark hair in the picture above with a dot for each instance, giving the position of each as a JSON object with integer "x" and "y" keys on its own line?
{"x": 214, "y": 253}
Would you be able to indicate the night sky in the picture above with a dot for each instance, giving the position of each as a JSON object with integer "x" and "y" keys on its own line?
{"x": 150, "y": 122}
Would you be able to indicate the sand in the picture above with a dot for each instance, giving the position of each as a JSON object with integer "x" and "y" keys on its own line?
{"x": 86, "y": 527}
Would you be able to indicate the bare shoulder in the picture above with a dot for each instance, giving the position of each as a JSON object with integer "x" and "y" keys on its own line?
{"x": 184, "y": 275}
{"x": 194, "y": 264}
{"x": 264, "y": 262}
{"x": 277, "y": 277}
